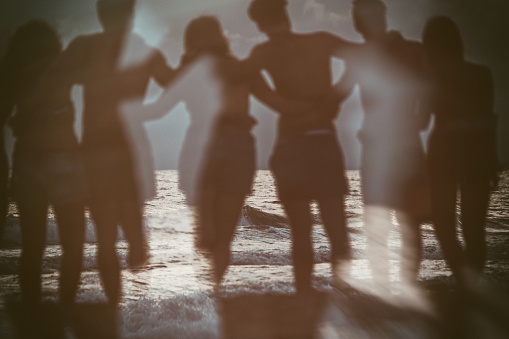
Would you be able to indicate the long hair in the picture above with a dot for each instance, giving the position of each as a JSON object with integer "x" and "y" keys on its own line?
{"x": 32, "y": 48}
{"x": 204, "y": 35}
{"x": 442, "y": 39}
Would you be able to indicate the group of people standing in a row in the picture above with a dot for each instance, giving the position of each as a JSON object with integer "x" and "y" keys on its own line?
{"x": 401, "y": 84}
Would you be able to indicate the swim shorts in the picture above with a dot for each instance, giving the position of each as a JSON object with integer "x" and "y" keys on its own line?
{"x": 309, "y": 167}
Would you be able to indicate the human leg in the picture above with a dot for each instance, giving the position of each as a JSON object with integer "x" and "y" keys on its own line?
{"x": 205, "y": 220}
{"x": 411, "y": 295}
{"x": 443, "y": 201}
{"x": 474, "y": 207}
{"x": 411, "y": 248}
{"x": 377, "y": 223}
{"x": 131, "y": 218}
{"x": 33, "y": 234}
{"x": 299, "y": 215}
{"x": 105, "y": 216}
{"x": 334, "y": 222}
{"x": 228, "y": 211}
{"x": 4, "y": 173}
{"x": 71, "y": 225}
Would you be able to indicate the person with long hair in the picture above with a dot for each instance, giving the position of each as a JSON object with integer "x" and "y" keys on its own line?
{"x": 46, "y": 161}
{"x": 462, "y": 148}
{"x": 223, "y": 174}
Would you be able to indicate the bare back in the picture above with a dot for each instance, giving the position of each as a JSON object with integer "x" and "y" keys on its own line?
{"x": 224, "y": 95}
{"x": 300, "y": 67}
{"x": 113, "y": 69}
{"x": 298, "y": 64}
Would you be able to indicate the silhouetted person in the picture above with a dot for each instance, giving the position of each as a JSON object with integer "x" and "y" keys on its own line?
{"x": 115, "y": 66}
{"x": 217, "y": 161}
{"x": 307, "y": 161}
{"x": 462, "y": 148}
{"x": 390, "y": 72}
{"x": 47, "y": 168}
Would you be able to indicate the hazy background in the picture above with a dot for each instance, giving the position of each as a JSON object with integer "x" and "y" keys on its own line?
{"x": 483, "y": 24}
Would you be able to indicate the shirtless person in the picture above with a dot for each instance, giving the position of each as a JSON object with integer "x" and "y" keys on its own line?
{"x": 307, "y": 161}
{"x": 110, "y": 78}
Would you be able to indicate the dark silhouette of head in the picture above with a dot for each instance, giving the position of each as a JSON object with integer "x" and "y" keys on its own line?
{"x": 33, "y": 47}
{"x": 205, "y": 35}
{"x": 442, "y": 41}
{"x": 115, "y": 14}
{"x": 369, "y": 18}
{"x": 35, "y": 43}
{"x": 270, "y": 16}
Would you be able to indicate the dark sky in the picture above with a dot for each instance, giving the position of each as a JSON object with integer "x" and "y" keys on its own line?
{"x": 483, "y": 24}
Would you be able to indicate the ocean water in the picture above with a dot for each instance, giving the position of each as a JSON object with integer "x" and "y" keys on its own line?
{"x": 172, "y": 296}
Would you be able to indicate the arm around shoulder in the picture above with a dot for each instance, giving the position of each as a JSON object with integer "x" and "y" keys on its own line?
{"x": 73, "y": 57}
{"x": 339, "y": 47}
{"x": 255, "y": 63}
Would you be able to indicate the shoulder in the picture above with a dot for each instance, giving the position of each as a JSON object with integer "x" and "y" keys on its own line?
{"x": 138, "y": 45}
{"x": 480, "y": 73}
{"x": 85, "y": 39}
{"x": 260, "y": 54}
{"x": 76, "y": 51}
{"x": 157, "y": 56}
{"x": 324, "y": 36}
{"x": 334, "y": 45}
{"x": 411, "y": 50}
{"x": 413, "y": 43}
{"x": 416, "y": 49}
{"x": 137, "y": 41}
{"x": 325, "y": 39}
{"x": 479, "y": 69}
{"x": 397, "y": 38}
{"x": 262, "y": 48}
{"x": 78, "y": 43}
